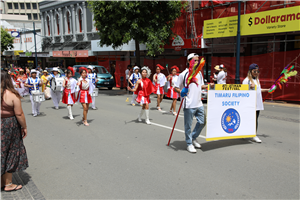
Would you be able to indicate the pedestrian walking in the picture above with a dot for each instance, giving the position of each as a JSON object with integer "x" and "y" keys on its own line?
{"x": 172, "y": 79}
{"x": 30, "y": 82}
{"x": 13, "y": 131}
{"x": 55, "y": 95}
{"x": 93, "y": 77}
{"x": 127, "y": 74}
{"x": 69, "y": 85}
{"x": 252, "y": 80}
{"x": 192, "y": 105}
{"x": 132, "y": 81}
{"x": 86, "y": 88}
{"x": 144, "y": 87}
{"x": 160, "y": 80}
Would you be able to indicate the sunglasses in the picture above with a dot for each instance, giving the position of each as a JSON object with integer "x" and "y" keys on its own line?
{"x": 255, "y": 71}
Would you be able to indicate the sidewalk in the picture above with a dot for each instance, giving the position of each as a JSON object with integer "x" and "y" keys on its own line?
{"x": 29, "y": 190}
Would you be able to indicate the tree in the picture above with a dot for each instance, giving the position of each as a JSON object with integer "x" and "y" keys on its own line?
{"x": 6, "y": 41}
{"x": 147, "y": 22}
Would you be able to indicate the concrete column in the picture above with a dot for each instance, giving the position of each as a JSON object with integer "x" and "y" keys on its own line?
{"x": 52, "y": 26}
{"x": 93, "y": 21}
{"x": 73, "y": 23}
{"x": 46, "y": 25}
{"x": 43, "y": 24}
{"x": 84, "y": 21}
{"x": 61, "y": 27}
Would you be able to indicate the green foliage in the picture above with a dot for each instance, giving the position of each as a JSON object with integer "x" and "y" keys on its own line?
{"x": 6, "y": 40}
{"x": 148, "y": 22}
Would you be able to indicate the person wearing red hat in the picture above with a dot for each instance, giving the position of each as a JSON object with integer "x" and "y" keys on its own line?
{"x": 22, "y": 78}
{"x": 18, "y": 85}
{"x": 172, "y": 79}
{"x": 160, "y": 80}
{"x": 69, "y": 85}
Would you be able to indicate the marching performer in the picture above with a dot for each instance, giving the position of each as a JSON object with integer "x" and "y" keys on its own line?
{"x": 159, "y": 79}
{"x": 86, "y": 88}
{"x": 133, "y": 80}
{"x": 69, "y": 86}
{"x": 30, "y": 82}
{"x": 93, "y": 77}
{"x": 172, "y": 79}
{"x": 144, "y": 87}
{"x": 55, "y": 95}
{"x": 18, "y": 85}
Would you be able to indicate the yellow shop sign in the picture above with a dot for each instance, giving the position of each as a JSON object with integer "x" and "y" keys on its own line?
{"x": 274, "y": 21}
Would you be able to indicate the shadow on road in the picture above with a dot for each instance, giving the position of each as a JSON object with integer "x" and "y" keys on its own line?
{"x": 178, "y": 145}
{"x": 66, "y": 117}
{"x": 213, "y": 145}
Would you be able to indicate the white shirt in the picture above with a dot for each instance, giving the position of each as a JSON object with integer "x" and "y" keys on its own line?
{"x": 193, "y": 98}
{"x": 221, "y": 77}
{"x": 161, "y": 79}
{"x": 259, "y": 102}
{"x": 174, "y": 80}
{"x": 127, "y": 73}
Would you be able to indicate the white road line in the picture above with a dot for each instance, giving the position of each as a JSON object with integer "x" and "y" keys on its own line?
{"x": 170, "y": 128}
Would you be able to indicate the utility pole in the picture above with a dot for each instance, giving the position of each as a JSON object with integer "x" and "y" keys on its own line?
{"x": 34, "y": 34}
{"x": 238, "y": 42}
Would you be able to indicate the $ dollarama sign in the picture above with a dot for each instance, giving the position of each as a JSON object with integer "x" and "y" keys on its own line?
{"x": 274, "y": 21}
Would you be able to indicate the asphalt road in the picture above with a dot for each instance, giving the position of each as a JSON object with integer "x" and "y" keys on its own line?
{"x": 118, "y": 158}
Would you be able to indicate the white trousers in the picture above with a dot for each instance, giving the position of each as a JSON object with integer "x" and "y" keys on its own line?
{"x": 56, "y": 96}
{"x": 35, "y": 106}
{"x": 93, "y": 102}
{"x": 133, "y": 98}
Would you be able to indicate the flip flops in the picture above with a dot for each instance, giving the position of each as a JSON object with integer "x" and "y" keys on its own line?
{"x": 15, "y": 189}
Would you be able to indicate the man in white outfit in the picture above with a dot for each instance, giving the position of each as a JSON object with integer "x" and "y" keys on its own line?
{"x": 55, "y": 95}
{"x": 30, "y": 82}
{"x": 93, "y": 77}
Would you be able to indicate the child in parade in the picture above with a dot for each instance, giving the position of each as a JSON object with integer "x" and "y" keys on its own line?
{"x": 160, "y": 80}
{"x": 86, "y": 88}
{"x": 30, "y": 82}
{"x": 144, "y": 87}
{"x": 55, "y": 95}
{"x": 172, "y": 79}
{"x": 93, "y": 77}
{"x": 133, "y": 80}
{"x": 22, "y": 78}
{"x": 252, "y": 80}
{"x": 18, "y": 85}
{"x": 46, "y": 85}
{"x": 69, "y": 86}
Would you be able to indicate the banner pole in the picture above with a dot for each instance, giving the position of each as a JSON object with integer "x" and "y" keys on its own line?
{"x": 175, "y": 121}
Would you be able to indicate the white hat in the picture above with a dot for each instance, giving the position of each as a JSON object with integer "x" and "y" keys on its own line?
{"x": 221, "y": 66}
{"x": 90, "y": 67}
{"x": 33, "y": 71}
{"x": 191, "y": 55}
{"x": 136, "y": 67}
{"x": 55, "y": 69}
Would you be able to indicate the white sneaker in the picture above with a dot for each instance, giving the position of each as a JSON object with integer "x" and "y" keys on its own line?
{"x": 256, "y": 139}
{"x": 148, "y": 121}
{"x": 94, "y": 108}
{"x": 56, "y": 108}
{"x": 196, "y": 144}
{"x": 35, "y": 115}
{"x": 191, "y": 149}
{"x": 139, "y": 119}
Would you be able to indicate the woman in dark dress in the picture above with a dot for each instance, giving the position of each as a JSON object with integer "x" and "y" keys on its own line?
{"x": 13, "y": 131}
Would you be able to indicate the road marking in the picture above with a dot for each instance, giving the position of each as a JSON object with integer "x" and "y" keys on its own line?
{"x": 170, "y": 128}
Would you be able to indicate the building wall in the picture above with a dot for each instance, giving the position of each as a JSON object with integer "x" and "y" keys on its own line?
{"x": 28, "y": 8}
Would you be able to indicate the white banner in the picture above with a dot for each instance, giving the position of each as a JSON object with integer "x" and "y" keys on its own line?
{"x": 231, "y": 112}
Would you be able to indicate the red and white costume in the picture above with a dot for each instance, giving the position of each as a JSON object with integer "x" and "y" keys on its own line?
{"x": 85, "y": 89}
{"x": 159, "y": 85}
{"x": 69, "y": 91}
{"x": 144, "y": 90}
{"x": 171, "y": 93}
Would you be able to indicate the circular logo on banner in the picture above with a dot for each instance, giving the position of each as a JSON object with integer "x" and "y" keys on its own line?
{"x": 230, "y": 120}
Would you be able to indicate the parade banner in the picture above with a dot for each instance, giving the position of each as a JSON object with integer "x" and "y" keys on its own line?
{"x": 231, "y": 112}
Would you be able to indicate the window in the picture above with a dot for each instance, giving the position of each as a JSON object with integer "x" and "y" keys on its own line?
{"x": 29, "y": 16}
{"x": 48, "y": 25}
{"x": 22, "y": 13}
{"x": 16, "y": 5}
{"x": 33, "y": 5}
{"x": 57, "y": 24}
{"x": 80, "y": 20}
{"x": 28, "y": 6}
{"x": 68, "y": 22}
{"x": 35, "y": 16}
{"x": 9, "y": 5}
{"x": 22, "y": 6}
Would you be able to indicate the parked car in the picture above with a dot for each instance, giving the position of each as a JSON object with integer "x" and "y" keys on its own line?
{"x": 105, "y": 79}
{"x": 49, "y": 70}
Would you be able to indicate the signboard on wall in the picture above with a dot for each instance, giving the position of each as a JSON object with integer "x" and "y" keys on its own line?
{"x": 71, "y": 54}
{"x": 231, "y": 112}
{"x": 273, "y": 21}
